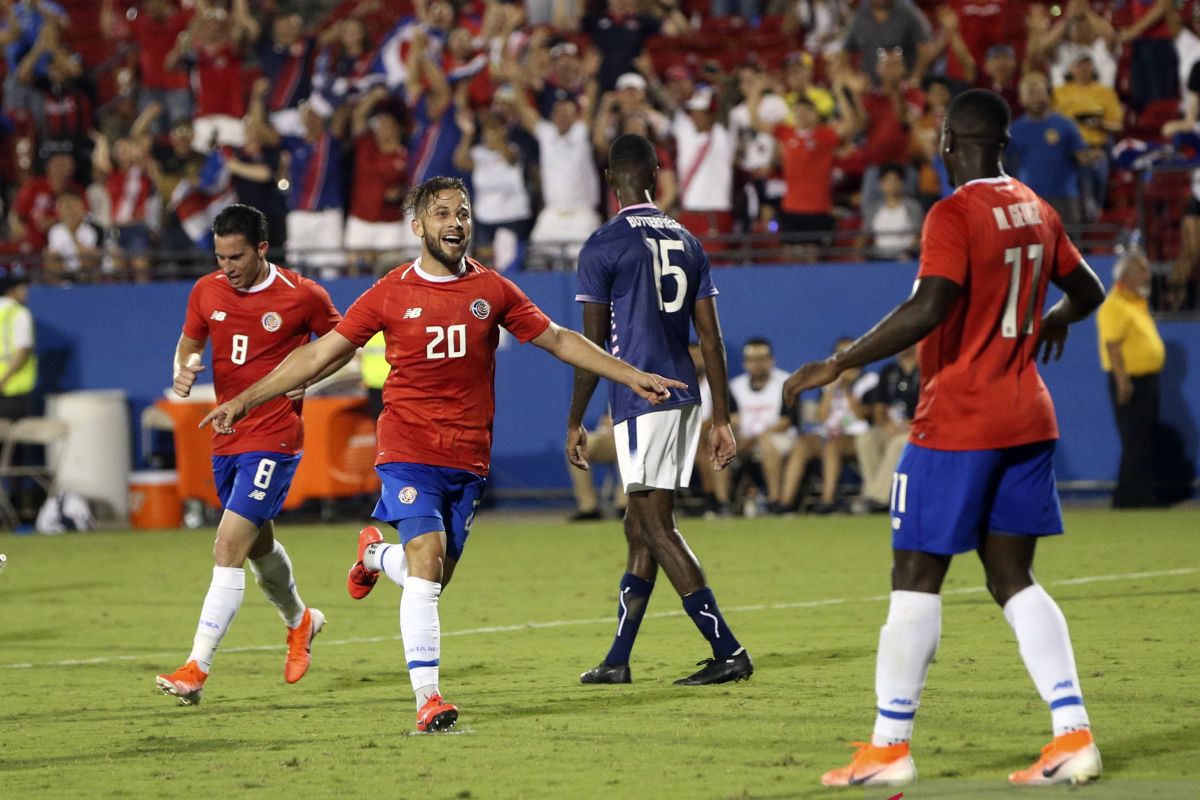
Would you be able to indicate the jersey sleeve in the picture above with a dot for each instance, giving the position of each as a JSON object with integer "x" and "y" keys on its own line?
{"x": 323, "y": 315}
{"x": 520, "y": 316}
{"x": 195, "y": 324}
{"x": 704, "y": 282}
{"x": 364, "y": 318}
{"x": 1066, "y": 254}
{"x": 944, "y": 244}
{"x": 593, "y": 279}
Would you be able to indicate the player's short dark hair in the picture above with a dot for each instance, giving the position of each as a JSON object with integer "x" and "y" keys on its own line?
{"x": 980, "y": 114}
{"x": 632, "y": 153}
{"x": 759, "y": 341}
{"x": 422, "y": 195}
{"x": 242, "y": 220}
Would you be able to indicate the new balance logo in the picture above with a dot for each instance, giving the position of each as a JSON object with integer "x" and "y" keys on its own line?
{"x": 258, "y": 494}
{"x": 219, "y": 316}
{"x": 1067, "y": 684}
{"x": 412, "y": 313}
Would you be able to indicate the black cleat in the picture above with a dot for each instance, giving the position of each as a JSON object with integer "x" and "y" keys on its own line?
{"x": 606, "y": 674}
{"x": 737, "y": 667}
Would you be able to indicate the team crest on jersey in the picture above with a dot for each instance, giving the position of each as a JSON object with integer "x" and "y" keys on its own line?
{"x": 271, "y": 321}
{"x": 481, "y": 308}
{"x": 408, "y": 495}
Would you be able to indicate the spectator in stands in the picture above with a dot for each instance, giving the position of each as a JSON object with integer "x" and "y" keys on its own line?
{"x": 1132, "y": 353}
{"x": 892, "y": 108}
{"x": 23, "y": 23}
{"x": 468, "y": 66}
{"x": 1097, "y": 111}
{"x": 378, "y": 184}
{"x": 173, "y": 163}
{"x": 285, "y": 55}
{"x": 502, "y": 212}
{"x": 1000, "y": 75}
{"x": 933, "y": 183}
{"x": 891, "y": 406}
{"x": 765, "y": 434}
{"x": 620, "y": 33}
{"x": 1079, "y": 30}
{"x": 667, "y": 191}
{"x": 1187, "y": 47}
{"x": 822, "y": 21}
{"x": 962, "y": 60}
{"x": 154, "y": 26}
{"x": 894, "y": 225}
{"x": 254, "y": 171}
{"x": 602, "y": 450}
{"x": 73, "y": 244}
{"x": 66, "y": 96}
{"x": 431, "y": 113}
{"x": 35, "y": 210}
{"x": 842, "y": 414}
{"x": 887, "y": 26}
{"x": 344, "y": 68}
{"x": 214, "y": 46}
{"x": 705, "y": 151}
{"x": 1047, "y": 149}
{"x": 757, "y": 193}
{"x": 549, "y": 69}
{"x": 748, "y": 10}
{"x": 1148, "y": 27}
{"x": 133, "y": 205}
{"x": 678, "y": 84}
{"x": 798, "y": 82}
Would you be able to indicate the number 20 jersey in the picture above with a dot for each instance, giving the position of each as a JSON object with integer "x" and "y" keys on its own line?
{"x": 252, "y": 332}
{"x": 650, "y": 271}
{"x": 980, "y": 387}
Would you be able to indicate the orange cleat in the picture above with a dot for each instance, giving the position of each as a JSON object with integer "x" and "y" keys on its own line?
{"x": 299, "y": 644}
{"x": 185, "y": 684}
{"x": 361, "y": 580}
{"x": 436, "y": 715}
{"x": 875, "y": 766}
{"x": 1070, "y": 758}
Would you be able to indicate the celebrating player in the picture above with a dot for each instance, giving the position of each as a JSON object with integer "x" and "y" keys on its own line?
{"x": 255, "y": 313}
{"x": 643, "y": 279}
{"x": 441, "y": 317}
{"x": 977, "y": 473}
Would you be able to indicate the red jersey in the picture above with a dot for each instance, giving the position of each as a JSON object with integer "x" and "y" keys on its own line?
{"x": 981, "y": 25}
{"x": 36, "y": 207}
{"x": 252, "y": 332}
{"x": 980, "y": 388}
{"x": 441, "y": 335}
{"x": 218, "y": 81}
{"x": 888, "y": 135}
{"x": 807, "y": 160}
{"x": 375, "y": 173}
{"x": 129, "y": 190}
{"x": 155, "y": 39}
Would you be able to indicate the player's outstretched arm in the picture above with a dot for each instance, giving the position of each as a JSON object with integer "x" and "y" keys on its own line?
{"x": 300, "y": 367}
{"x": 904, "y": 326}
{"x": 569, "y": 346}
{"x": 188, "y": 353}
{"x": 596, "y": 320}
{"x": 1082, "y": 294}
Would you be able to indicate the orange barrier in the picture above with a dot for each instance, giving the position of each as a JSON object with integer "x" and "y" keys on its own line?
{"x": 339, "y": 451}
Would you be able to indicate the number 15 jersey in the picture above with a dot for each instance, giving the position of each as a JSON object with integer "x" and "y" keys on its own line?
{"x": 980, "y": 388}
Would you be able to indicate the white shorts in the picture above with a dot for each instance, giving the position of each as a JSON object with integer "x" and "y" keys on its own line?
{"x": 566, "y": 227}
{"x": 657, "y": 450}
{"x": 314, "y": 238}
{"x": 227, "y": 130}
{"x": 363, "y": 235}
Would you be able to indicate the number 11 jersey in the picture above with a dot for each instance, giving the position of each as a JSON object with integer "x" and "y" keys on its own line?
{"x": 980, "y": 387}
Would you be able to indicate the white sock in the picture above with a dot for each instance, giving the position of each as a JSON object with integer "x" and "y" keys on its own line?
{"x": 908, "y": 642}
{"x": 390, "y": 559}
{"x": 274, "y": 574}
{"x": 422, "y": 634}
{"x": 222, "y": 602}
{"x": 1045, "y": 645}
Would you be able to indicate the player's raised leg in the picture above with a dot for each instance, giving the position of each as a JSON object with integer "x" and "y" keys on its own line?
{"x": 636, "y": 586}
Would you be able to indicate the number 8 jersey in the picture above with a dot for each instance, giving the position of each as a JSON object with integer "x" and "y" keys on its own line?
{"x": 980, "y": 388}
{"x": 252, "y": 331}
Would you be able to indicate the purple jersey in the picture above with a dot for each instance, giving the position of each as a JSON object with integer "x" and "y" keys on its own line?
{"x": 650, "y": 271}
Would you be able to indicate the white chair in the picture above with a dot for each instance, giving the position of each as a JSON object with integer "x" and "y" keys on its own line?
{"x": 45, "y": 431}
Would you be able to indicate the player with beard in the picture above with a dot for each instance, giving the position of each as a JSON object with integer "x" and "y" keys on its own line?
{"x": 441, "y": 317}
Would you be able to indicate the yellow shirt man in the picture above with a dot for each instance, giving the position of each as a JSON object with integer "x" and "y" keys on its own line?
{"x": 1093, "y": 101}
{"x": 1125, "y": 319}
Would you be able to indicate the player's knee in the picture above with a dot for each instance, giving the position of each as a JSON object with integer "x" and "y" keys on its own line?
{"x": 1003, "y": 586}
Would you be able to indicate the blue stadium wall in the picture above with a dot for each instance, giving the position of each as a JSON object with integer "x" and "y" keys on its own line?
{"x": 123, "y": 337}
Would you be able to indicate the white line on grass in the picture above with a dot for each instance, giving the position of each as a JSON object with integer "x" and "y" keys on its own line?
{"x": 561, "y": 623}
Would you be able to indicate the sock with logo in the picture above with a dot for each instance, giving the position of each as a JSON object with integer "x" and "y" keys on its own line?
{"x": 422, "y": 634}
{"x": 701, "y": 606}
{"x": 908, "y": 642}
{"x": 1045, "y": 645}
{"x": 275, "y": 578}
{"x": 631, "y": 607}
{"x": 221, "y": 604}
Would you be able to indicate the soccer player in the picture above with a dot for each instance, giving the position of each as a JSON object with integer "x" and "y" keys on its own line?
{"x": 441, "y": 317}
{"x": 977, "y": 473}
{"x": 255, "y": 313}
{"x": 643, "y": 279}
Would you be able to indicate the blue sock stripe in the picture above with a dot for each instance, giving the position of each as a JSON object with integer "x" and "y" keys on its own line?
{"x": 1073, "y": 700}
{"x": 416, "y": 664}
{"x": 883, "y": 712}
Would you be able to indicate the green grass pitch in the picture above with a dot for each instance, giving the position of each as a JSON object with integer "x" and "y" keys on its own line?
{"x": 87, "y": 620}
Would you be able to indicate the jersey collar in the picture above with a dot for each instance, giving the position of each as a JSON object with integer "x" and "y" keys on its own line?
{"x": 638, "y": 207}
{"x": 996, "y": 180}
{"x": 272, "y": 272}
{"x": 462, "y": 271}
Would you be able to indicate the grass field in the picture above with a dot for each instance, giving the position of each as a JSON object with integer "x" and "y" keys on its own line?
{"x": 87, "y": 620}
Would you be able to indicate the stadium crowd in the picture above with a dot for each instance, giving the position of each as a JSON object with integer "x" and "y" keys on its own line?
{"x": 812, "y": 123}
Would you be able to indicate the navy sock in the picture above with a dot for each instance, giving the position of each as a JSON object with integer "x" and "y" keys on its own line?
{"x": 701, "y": 606}
{"x": 631, "y": 607}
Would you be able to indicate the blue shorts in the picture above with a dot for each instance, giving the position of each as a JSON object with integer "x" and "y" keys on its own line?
{"x": 946, "y": 501}
{"x": 254, "y": 485}
{"x": 417, "y": 499}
